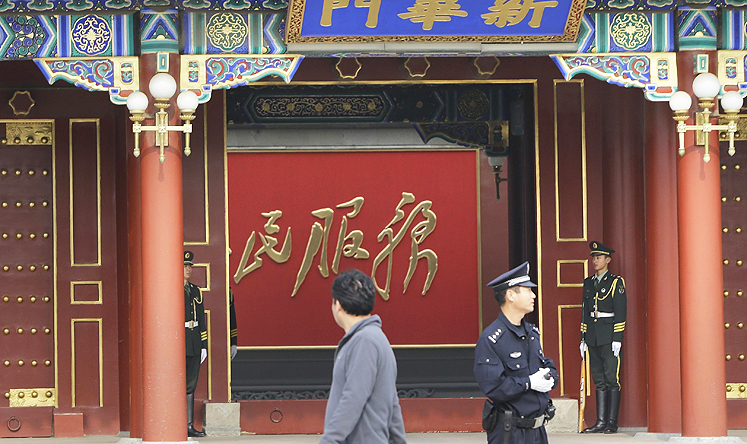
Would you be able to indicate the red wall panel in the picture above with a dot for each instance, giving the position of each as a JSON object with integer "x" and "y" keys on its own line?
{"x": 87, "y": 363}
{"x": 298, "y": 183}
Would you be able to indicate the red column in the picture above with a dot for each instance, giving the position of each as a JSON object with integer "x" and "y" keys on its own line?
{"x": 136, "y": 293}
{"x": 701, "y": 280}
{"x": 164, "y": 381}
{"x": 624, "y": 221}
{"x": 662, "y": 283}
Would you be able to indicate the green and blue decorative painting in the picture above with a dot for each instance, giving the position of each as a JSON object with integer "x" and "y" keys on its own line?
{"x": 234, "y": 33}
{"x": 732, "y": 26}
{"x": 66, "y": 6}
{"x": 657, "y": 5}
{"x": 31, "y": 7}
{"x": 587, "y": 34}
{"x": 696, "y": 28}
{"x": 233, "y": 5}
{"x": 95, "y": 35}
{"x": 28, "y": 37}
{"x": 159, "y": 31}
{"x": 627, "y": 32}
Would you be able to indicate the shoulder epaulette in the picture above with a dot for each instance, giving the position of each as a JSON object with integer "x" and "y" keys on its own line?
{"x": 495, "y": 335}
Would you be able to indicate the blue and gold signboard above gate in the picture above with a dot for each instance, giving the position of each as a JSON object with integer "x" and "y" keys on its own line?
{"x": 366, "y": 21}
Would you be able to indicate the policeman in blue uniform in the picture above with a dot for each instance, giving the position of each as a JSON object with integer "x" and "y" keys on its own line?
{"x": 602, "y": 327}
{"x": 511, "y": 369}
{"x": 195, "y": 333}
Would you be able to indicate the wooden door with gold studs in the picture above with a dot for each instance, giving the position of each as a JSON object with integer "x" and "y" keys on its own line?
{"x": 27, "y": 343}
{"x": 734, "y": 223}
{"x": 59, "y": 259}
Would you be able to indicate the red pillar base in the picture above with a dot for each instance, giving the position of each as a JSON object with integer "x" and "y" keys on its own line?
{"x": 68, "y": 425}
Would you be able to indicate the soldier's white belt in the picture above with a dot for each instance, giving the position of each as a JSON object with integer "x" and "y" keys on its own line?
{"x": 601, "y": 314}
{"x": 191, "y": 324}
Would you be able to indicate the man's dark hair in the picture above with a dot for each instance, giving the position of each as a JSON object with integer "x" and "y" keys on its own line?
{"x": 355, "y": 291}
{"x": 500, "y": 295}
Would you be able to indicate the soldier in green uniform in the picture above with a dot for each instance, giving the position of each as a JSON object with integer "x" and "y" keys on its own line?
{"x": 234, "y": 329}
{"x": 602, "y": 326}
{"x": 195, "y": 332}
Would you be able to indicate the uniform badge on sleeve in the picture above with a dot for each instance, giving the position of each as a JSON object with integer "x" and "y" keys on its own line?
{"x": 622, "y": 290}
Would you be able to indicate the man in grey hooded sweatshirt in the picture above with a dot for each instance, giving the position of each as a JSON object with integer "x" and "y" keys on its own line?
{"x": 363, "y": 407}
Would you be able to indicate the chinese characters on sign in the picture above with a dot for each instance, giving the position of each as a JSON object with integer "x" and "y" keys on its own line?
{"x": 427, "y": 12}
{"x": 363, "y": 21}
{"x": 513, "y": 12}
{"x": 372, "y": 5}
{"x": 349, "y": 244}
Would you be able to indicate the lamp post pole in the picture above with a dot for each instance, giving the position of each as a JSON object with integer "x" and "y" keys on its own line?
{"x": 701, "y": 281}
{"x": 164, "y": 368}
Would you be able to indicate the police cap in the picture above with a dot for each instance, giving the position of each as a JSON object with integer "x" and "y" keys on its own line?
{"x": 188, "y": 258}
{"x": 598, "y": 248}
{"x": 519, "y": 276}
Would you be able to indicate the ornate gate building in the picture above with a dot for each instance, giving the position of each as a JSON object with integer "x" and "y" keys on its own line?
{"x": 312, "y": 136}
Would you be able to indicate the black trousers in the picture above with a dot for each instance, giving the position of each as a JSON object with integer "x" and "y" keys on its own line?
{"x": 519, "y": 436}
{"x": 605, "y": 367}
{"x": 193, "y": 372}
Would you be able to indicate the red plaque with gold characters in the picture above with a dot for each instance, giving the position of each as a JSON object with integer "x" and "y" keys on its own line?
{"x": 407, "y": 218}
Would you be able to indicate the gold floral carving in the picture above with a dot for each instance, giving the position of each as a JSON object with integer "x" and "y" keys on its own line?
{"x": 340, "y": 68}
{"x": 486, "y": 72}
{"x": 17, "y": 103}
{"x": 409, "y": 67}
{"x": 319, "y": 106}
{"x": 741, "y": 133}
{"x": 32, "y": 397}
{"x": 28, "y": 132}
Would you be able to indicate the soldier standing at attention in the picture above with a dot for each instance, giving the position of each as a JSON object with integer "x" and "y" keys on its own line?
{"x": 602, "y": 325}
{"x": 195, "y": 332}
{"x": 234, "y": 335}
{"x": 511, "y": 369}
{"x": 234, "y": 329}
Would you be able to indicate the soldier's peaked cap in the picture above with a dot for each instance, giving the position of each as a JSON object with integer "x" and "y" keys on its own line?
{"x": 519, "y": 276}
{"x": 188, "y": 258}
{"x": 598, "y": 248}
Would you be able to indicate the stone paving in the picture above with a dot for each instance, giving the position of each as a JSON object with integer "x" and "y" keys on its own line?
{"x": 626, "y": 436}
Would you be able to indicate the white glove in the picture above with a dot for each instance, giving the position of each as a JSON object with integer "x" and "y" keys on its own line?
{"x": 616, "y": 346}
{"x": 203, "y": 355}
{"x": 583, "y": 348}
{"x": 234, "y": 350}
{"x": 538, "y": 383}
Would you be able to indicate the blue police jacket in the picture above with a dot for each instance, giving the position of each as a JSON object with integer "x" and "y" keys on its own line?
{"x": 505, "y": 356}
